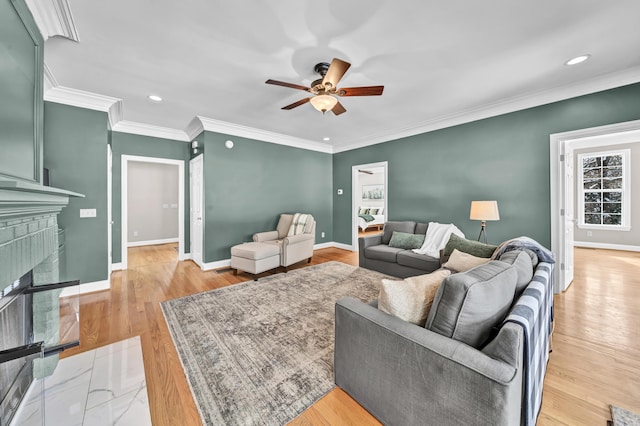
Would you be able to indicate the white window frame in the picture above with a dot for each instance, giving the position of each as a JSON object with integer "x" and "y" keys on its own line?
{"x": 626, "y": 191}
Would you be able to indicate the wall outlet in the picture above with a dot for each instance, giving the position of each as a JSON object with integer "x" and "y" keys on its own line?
{"x": 340, "y": 192}
{"x": 589, "y": 233}
{"x": 322, "y": 235}
{"x": 165, "y": 206}
{"x": 87, "y": 212}
{"x": 135, "y": 233}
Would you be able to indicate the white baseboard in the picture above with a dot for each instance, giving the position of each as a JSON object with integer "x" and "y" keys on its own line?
{"x": 345, "y": 246}
{"x": 184, "y": 256}
{"x": 606, "y": 246}
{"x": 152, "y": 242}
{"x": 215, "y": 265}
{"x": 116, "y": 266}
{"x": 86, "y": 288}
{"x": 333, "y": 244}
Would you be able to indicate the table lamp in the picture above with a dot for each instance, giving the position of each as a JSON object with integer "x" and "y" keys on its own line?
{"x": 483, "y": 211}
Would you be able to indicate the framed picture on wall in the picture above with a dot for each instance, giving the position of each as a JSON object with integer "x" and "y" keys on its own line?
{"x": 373, "y": 192}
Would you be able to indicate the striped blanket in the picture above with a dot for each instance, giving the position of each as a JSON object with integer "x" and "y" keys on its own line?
{"x": 534, "y": 313}
{"x": 298, "y": 223}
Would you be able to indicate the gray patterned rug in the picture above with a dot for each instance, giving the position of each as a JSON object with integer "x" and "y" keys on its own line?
{"x": 262, "y": 352}
{"x": 622, "y": 417}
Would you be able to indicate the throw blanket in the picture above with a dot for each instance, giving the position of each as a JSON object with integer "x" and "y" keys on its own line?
{"x": 437, "y": 237}
{"x": 534, "y": 313}
{"x": 367, "y": 217}
{"x": 298, "y": 224}
{"x": 544, "y": 254}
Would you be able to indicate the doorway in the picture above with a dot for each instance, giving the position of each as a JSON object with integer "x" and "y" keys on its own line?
{"x": 562, "y": 147}
{"x": 196, "y": 211}
{"x": 369, "y": 199}
{"x": 127, "y": 160}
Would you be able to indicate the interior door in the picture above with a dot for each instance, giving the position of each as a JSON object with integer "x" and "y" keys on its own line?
{"x": 109, "y": 214}
{"x": 569, "y": 218}
{"x": 196, "y": 211}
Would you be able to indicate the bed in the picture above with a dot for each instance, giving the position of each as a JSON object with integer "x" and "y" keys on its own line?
{"x": 367, "y": 220}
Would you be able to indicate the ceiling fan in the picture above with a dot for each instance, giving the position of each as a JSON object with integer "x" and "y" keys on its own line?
{"x": 369, "y": 172}
{"x": 325, "y": 88}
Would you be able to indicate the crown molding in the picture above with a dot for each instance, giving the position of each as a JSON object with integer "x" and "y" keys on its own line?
{"x": 54, "y": 18}
{"x": 49, "y": 80}
{"x": 212, "y": 125}
{"x": 531, "y": 100}
{"x": 80, "y": 98}
{"x": 194, "y": 128}
{"x": 124, "y": 126}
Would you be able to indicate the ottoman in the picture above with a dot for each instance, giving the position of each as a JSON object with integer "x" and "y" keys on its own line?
{"x": 255, "y": 258}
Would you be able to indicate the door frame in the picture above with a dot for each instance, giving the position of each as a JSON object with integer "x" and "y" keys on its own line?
{"x": 199, "y": 262}
{"x": 126, "y": 159}
{"x": 562, "y": 144}
{"x": 355, "y": 178}
{"x": 109, "y": 211}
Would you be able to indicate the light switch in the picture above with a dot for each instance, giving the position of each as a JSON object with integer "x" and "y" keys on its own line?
{"x": 165, "y": 206}
{"x": 87, "y": 212}
{"x": 174, "y": 206}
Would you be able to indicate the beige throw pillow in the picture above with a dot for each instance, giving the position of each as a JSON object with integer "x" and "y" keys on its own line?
{"x": 411, "y": 299}
{"x": 460, "y": 261}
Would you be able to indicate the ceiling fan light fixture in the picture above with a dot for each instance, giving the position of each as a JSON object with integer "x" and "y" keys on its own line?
{"x": 323, "y": 103}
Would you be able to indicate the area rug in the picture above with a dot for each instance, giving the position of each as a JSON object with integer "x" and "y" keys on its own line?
{"x": 622, "y": 417}
{"x": 261, "y": 352}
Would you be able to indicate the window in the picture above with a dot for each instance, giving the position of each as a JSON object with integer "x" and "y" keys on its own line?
{"x": 603, "y": 191}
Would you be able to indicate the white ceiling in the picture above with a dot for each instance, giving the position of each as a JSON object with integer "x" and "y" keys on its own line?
{"x": 440, "y": 62}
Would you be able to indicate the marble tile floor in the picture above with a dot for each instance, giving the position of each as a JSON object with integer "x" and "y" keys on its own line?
{"x": 105, "y": 386}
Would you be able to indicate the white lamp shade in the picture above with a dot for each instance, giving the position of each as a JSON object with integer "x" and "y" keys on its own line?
{"x": 484, "y": 210}
{"x": 323, "y": 103}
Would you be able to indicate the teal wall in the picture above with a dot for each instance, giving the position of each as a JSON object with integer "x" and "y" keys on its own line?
{"x": 145, "y": 146}
{"x": 75, "y": 152}
{"x": 434, "y": 176}
{"x": 247, "y": 187}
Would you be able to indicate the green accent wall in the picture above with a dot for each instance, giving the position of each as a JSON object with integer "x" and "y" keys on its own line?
{"x": 249, "y": 186}
{"x": 75, "y": 152}
{"x": 434, "y": 176}
{"x": 145, "y": 146}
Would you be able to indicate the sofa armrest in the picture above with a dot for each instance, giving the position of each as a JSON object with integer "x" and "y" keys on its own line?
{"x": 405, "y": 374}
{"x": 295, "y": 239}
{"x": 265, "y": 236}
{"x": 363, "y": 243}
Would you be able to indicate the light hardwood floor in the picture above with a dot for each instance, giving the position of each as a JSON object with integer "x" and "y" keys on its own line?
{"x": 595, "y": 361}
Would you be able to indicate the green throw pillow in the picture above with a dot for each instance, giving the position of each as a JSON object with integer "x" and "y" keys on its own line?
{"x": 406, "y": 241}
{"x": 474, "y": 248}
{"x": 363, "y": 211}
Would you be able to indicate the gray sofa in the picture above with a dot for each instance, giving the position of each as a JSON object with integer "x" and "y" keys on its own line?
{"x": 455, "y": 370}
{"x": 375, "y": 254}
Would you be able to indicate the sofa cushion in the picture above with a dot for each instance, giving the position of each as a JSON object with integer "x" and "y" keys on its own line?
{"x": 284, "y": 224}
{"x": 418, "y": 261}
{"x": 406, "y": 241}
{"x": 382, "y": 252}
{"x": 521, "y": 261}
{"x": 462, "y": 262}
{"x": 390, "y": 227}
{"x": 475, "y": 248}
{"x": 469, "y": 304}
{"x": 410, "y": 299}
{"x": 421, "y": 228}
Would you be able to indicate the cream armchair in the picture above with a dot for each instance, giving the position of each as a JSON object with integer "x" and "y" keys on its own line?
{"x": 293, "y": 248}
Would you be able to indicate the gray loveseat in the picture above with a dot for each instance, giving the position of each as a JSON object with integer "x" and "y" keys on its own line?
{"x": 375, "y": 253}
{"x": 459, "y": 369}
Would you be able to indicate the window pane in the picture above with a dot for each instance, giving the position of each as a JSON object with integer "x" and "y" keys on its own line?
{"x": 612, "y": 172}
{"x": 612, "y": 208}
{"x": 612, "y": 197}
{"x": 612, "y": 160}
{"x": 592, "y": 184}
{"x": 588, "y": 162}
{"x": 612, "y": 219}
{"x": 592, "y": 197}
{"x": 593, "y": 208}
{"x": 592, "y": 219}
{"x": 612, "y": 183}
{"x": 592, "y": 173}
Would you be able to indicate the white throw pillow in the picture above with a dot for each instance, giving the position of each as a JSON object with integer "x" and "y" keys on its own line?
{"x": 411, "y": 299}
{"x": 460, "y": 261}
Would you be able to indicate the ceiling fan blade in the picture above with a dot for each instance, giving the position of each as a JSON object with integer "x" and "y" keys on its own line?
{"x": 360, "y": 91}
{"x": 297, "y": 104}
{"x": 285, "y": 84}
{"x": 335, "y": 72}
{"x": 338, "y": 109}
{"x": 369, "y": 172}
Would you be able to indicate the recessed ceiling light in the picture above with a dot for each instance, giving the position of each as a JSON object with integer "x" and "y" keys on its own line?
{"x": 326, "y": 139}
{"x": 155, "y": 98}
{"x": 577, "y": 60}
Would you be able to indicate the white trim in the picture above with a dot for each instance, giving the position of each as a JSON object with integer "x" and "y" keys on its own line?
{"x": 555, "y": 94}
{"x": 49, "y": 80}
{"x": 606, "y": 246}
{"x": 213, "y": 125}
{"x": 355, "y": 177}
{"x": 564, "y": 144}
{"x": 125, "y": 159}
{"x": 54, "y": 18}
{"x": 86, "y": 288}
{"x": 116, "y": 266}
{"x": 186, "y": 256}
{"x": 321, "y": 246}
{"x": 152, "y": 242}
{"x": 124, "y": 126}
{"x": 208, "y": 266}
{"x": 194, "y": 128}
{"x": 80, "y": 98}
{"x": 345, "y": 247}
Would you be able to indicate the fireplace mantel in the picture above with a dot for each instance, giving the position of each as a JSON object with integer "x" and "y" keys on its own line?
{"x": 20, "y": 200}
